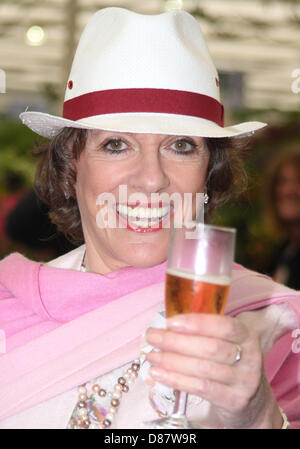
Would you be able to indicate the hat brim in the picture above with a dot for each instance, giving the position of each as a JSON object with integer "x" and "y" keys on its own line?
{"x": 49, "y": 126}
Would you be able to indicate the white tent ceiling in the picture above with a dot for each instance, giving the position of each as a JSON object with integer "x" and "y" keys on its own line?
{"x": 260, "y": 38}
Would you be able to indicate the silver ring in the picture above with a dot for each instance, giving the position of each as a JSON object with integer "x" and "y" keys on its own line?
{"x": 239, "y": 354}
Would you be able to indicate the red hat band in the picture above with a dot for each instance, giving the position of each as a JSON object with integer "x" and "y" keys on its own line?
{"x": 162, "y": 101}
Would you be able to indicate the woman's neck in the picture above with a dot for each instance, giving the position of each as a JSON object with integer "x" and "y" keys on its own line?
{"x": 95, "y": 262}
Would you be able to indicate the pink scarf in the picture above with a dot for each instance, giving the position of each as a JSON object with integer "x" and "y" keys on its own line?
{"x": 64, "y": 327}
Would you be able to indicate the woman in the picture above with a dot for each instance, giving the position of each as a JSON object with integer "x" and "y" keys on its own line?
{"x": 142, "y": 111}
{"x": 284, "y": 210}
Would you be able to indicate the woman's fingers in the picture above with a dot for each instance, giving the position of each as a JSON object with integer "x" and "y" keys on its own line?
{"x": 229, "y": 355}
{"x": 192, "y": 366}
{"x": 222, "y": 396}
{"x": 193, "y": 346}
{"x": 243, "y": 374}
{"x": 209, "y": 325}
{"x": 215, "y": 357}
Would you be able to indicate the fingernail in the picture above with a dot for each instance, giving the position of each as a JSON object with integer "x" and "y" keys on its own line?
{"x": 153, "y": 337}
{"x": 154, "y": 357}
{"x": 157, "y": 374}
{"x": 177, "y": 324}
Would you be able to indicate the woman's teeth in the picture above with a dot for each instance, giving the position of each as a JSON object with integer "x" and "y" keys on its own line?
{"x": 143, "y": 216}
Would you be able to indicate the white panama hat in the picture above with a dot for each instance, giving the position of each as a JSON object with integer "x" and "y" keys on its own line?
{"x": 142, "y": 74}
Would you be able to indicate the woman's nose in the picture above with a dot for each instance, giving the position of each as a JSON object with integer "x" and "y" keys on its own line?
{"x": 149, "y": 174}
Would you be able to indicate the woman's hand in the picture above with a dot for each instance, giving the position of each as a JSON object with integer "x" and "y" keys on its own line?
{"x": 198, "y": 355}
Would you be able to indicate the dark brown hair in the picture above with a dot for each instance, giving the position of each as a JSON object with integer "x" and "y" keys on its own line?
{"x": 56, "y": 176}
{"x": 290, "y": 158}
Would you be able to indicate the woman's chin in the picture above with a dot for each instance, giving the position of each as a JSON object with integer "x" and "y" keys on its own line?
{"x": 141, "y": 258}
{"x": 141, "y": 250}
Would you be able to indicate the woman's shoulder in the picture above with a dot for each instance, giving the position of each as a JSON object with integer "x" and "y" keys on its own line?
{"x": 253, "y": 290}
{"x": 270, "y": 308}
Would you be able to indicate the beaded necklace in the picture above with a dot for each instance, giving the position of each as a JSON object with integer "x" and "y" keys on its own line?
{"x": 96, "y": 407}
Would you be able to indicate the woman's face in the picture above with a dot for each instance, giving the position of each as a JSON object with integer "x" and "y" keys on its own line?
{"x": 288, "y": 194}
{"x": 146, "y": 164}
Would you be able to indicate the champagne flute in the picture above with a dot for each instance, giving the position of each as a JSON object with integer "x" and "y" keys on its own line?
{"x": 198, "y": 279}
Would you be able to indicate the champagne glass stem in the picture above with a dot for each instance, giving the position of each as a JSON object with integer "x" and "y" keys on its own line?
{"x": 177, "y": 419}
{"x": 180, "y": 406}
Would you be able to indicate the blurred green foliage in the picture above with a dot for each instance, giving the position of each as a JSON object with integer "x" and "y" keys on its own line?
{"x": 16, "y": 161}
{"x": 17, "y": 168}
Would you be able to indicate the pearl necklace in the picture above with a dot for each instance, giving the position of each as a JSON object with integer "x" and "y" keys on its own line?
{"x": 88, "y": 413}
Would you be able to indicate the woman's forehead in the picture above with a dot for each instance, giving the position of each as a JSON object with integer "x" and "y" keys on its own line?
{"x": 137, "y": 136}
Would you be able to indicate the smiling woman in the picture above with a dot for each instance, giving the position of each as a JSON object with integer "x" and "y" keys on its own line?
{"x": 78, "y": 354}
{"x": 56, "y": 175}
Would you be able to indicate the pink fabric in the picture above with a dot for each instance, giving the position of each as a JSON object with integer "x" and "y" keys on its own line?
{"x": 35, "y": 299}
{"x": 65, "y": 327}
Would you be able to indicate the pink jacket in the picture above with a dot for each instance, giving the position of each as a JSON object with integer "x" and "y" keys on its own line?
{"x": 64, "y": 327}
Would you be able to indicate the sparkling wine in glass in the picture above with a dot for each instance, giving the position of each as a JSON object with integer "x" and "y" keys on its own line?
{"x": 197, "y": 281}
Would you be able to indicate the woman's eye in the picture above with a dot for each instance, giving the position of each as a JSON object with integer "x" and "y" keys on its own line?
{"x": 183, "y": 146}
{"x": 115, "y": 145}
